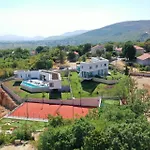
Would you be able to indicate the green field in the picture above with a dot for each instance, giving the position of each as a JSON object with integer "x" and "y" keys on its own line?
{"x": 88, "y": 88}
{"x": 7, "y": 124}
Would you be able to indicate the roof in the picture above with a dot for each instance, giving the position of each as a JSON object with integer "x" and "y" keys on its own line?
{"x": 98, "y": 47}
{"x": 118, "y": 49}
{"x": 144, "y": 56}
{"x": 76, "y": 53}
{"x": 138, "y": 47}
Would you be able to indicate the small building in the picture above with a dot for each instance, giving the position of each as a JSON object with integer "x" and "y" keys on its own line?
{"x": 144, "y": 59}
{"x": 95, "y": 66}
{"x": 139, "y": 50}
{"x": 118, "y": 50}
{"x": 96, "y": 48}
{"x": 39, "y": 78}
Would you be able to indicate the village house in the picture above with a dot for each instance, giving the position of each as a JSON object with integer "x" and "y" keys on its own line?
{"x": 144, "y": 59}
{"x": 97, "y": 48}
{"x": 139, "y": 50}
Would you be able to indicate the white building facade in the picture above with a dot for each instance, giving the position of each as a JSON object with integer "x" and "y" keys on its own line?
{"x": 53, "y": 79}
{"x": 96, "y": 66}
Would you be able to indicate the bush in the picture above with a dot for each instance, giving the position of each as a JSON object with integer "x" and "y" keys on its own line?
{"x": 55, "y": 121}
{"x": 23, "y": 133}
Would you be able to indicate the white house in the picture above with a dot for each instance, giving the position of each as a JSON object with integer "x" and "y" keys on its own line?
{"x": 144, "y": 59}
{"x": 53, "y": 79}
{"x": 96, "y": 66}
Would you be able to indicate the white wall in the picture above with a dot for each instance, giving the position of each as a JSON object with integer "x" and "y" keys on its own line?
{"x": 47, "y": 75}
{"x": 143, "y": 62}
{"x": 57, "y": 84}
{"x": 95, "y": 66}
{"x": 27, "y": 74}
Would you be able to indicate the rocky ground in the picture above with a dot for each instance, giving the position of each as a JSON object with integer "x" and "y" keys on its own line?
{"x": 6, "y": 103}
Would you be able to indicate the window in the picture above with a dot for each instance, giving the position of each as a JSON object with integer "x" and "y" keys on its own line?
{"x": 51, "y": 84}
{"x": 96, "y": 66}
{"x": 82, "y": 67}
{"x": 104, "y": 64}
{"x": 90, "y": 67}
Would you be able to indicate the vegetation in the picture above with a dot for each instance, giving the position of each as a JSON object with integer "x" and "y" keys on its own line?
{"x": 109, "y": 127}
{"x": 129, "y": 51}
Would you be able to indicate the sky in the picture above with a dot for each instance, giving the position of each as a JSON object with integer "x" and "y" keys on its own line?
{"x": 54, "y": 17}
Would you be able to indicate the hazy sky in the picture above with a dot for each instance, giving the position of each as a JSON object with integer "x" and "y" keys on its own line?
{"x": 54, "y": 17}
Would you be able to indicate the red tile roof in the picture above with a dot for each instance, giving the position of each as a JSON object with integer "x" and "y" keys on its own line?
{"x": 138, "y": 47}
{"x": 118, "y": 49}
{"x": 76, "y": 53}
{"x": 144, "y": 56}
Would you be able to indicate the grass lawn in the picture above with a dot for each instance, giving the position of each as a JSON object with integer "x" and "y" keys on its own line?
{"x": 17, "y": 90}
{"x": 66, "y": 95}
{"x": 88, "y": 88}
{"x": 110, "y": 102}
{"x": 65, "y": 81}
{"x": 6, "y": 124}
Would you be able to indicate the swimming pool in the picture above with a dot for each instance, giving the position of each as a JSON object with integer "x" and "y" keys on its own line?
{"x": 35, "y": 86}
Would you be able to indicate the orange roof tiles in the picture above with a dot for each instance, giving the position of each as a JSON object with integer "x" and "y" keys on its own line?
{"x": 144, "y": 56}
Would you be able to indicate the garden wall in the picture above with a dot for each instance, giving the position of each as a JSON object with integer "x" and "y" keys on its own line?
{"x": 140, "y": 74}
{"x": 85, "y": 102}
{"x": 109, "y": 82}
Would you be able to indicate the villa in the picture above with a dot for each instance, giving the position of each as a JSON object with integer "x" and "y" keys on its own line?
{"x": 95, "y": 66}
{"x": 39, "y": 80}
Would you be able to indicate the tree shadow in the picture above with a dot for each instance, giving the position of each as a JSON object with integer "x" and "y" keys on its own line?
{"x": 17, "y": 83}
{"x": 89, "y": 86}
{"x": 55, "y": 94}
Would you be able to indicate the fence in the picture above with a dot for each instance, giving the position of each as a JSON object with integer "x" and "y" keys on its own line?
{"x": 109, "y": 82}
{"x": 85, "y": 102}
{"x": 140, "y": 74}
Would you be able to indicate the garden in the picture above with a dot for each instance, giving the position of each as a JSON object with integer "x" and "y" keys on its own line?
{"x": 79, "y": 88}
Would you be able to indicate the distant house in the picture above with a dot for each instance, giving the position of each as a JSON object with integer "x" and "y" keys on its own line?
{"x": 139, "y": 50}
{"x": 95, "y": 66}
{"x": 33, "y": 52}
{"x": 144, "y": 59}
{"x": 97, "y": 47}
{"x": 118, "y": 50}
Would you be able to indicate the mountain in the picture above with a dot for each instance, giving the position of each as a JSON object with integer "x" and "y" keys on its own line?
{"x": 14, "y": 38}
{"x": 118, "y": 32}
{"x": 66, "y": 35}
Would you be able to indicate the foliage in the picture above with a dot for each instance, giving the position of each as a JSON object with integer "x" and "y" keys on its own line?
{"x": 55, "y": 121}
{"x": 147, "y": 45}
{"x": 129, "y": 51}
{"x": 24, "y": 132}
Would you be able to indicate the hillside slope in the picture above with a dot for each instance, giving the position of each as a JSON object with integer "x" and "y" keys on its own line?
{"x": 119, "y": 32}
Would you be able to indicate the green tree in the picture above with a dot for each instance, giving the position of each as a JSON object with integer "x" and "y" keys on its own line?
{"x": 109, "y": 47}
{"x": 147, "y": 45}
{"x": 129, "y": 51}
{"x": 71, "y": 56}
{"x": 43, "y": 64}
{"x": 86, "y": 48}
{"x": 39, "y": 49}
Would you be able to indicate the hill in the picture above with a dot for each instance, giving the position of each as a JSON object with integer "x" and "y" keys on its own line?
{"x": 118, "y": 32}
{"x": 66, "y": 35}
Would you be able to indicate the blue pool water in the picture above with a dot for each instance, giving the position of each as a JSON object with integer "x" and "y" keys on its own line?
{"x": 31, "y": 85}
